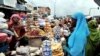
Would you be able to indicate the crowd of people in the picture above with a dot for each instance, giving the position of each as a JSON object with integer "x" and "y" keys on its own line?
{"x": 76, "y": 35}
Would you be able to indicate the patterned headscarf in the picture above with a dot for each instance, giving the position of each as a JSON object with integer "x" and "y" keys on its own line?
{"x": 14, "y": 15}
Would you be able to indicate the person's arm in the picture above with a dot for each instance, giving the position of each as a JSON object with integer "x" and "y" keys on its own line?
{"x": 15, "y": 33}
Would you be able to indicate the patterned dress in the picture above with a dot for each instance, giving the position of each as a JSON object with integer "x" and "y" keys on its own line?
{"x": 46, "y": 48}
{"x": 57, "y": 33}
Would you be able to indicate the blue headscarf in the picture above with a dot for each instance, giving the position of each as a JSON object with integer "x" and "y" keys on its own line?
{"x": 78, "y": 38}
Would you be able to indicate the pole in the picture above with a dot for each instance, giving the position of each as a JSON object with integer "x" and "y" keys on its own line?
{"x": 54, "y": 8}
{"x": 90, "y": 11}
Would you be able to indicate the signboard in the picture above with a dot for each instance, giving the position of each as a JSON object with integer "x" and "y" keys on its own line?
{"x": 11, "y": 3}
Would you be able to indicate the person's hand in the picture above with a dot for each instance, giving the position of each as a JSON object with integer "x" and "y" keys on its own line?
{"x": 18, "y": 38}
{"x": 9, "y": 39}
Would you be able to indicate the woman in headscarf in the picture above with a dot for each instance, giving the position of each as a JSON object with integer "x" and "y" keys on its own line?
{"x": 78, "y": 38}
{"x": 93, "y": 45}
{"x": 17, "y": 28}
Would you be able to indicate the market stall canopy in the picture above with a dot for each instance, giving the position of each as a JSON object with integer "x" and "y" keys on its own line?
{"x": 10, "y": 3}
{"x": 20, "y": 7}
{"x": 7, "y": 7}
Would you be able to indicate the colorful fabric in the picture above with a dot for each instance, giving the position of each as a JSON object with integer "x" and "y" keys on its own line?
{"x": 3, "y": 37}
{"x": 78, "y": 39}
{"x": 11, "y": 19}
{"x": 93, "y": 40}
{"x": 19, "y": 29}
{"x": 57, "y": 33}
{"x": 46, "y": 48}
{"x": 57, "y": 49}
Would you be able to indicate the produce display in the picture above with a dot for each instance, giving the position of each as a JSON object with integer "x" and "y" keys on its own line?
{"x": 26, "y": 51}
{"x": 35, "y": 47}
{"x": 34, "y": 33}
{"x": 41, "y": 32}
{"x": 57, "y": 49}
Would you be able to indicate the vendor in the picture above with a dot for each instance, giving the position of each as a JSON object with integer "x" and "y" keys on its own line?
{"x": 17, "y": 28}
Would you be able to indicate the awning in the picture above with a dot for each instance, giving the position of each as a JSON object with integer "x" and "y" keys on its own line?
{"x": 26, "y": 10}
{"x": 20, "y": 7}
{"x": 6, "y": 7}
{"x": 15, "y": 9}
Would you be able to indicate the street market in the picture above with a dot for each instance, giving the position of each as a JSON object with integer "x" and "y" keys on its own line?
{"x": 29, "y": 30}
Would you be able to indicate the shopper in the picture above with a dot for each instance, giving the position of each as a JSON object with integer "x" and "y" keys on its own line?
{"x": 17, "y": 28}
{"x": 93, "y": 45}
{"x": 78, "y": 38}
